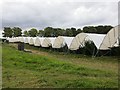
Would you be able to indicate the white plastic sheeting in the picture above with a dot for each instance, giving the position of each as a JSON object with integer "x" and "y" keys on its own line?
{"x": 61, "y": 41}
{"x": 15, "y": 39}
{"x": 32, "y": 40}
{"x": 22, "y": 39}
{"x": 48, "y": 41}
{"x": 19, "y": 39}
{"x": 97, "y": 39}
{"x": 27, "y": 39}
{"x": 111, "y": 38}
{"x": 10, "y": 39}
{"x": 80, "y": 39}
{"x": 3, "y": 37}
{"x": 41, "y": 40}
{"x": 38, "y": 41}
{"x": 52, "y": 41}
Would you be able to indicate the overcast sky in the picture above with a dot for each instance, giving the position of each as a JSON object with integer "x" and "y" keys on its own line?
{"x": 58, "y": 13}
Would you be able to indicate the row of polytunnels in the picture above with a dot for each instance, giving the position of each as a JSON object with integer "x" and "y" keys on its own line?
{"x": 101, "y": 41}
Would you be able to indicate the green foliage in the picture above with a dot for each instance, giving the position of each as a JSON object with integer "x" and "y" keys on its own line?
{"x": 58, "y": 32}
{"x": 7, "y": 32}
{"x": 103, "y": 29}
{"x": 78, "y": 31}
{"x": 55, "y": 32}
{"x": 68, "y": 32}
{"x": 97, "y": 29}
{"x": 71, "y": 32}
{"x": 33, "y": 32}
{"x": 41, "y": 33}
{"x": 17, "y": 31}
{"x": 89, "y": 48}
{"x": 26, "y": 34}
{"x": 74, "y": 32}
{"x": 12, "y": 32}
{"x": 115, "y": 51}
{"x": 89, "y": 29}
{"x": 48, "y": 32}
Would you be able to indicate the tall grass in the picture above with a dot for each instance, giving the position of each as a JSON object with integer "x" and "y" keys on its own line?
{"x": 23, "y": 69}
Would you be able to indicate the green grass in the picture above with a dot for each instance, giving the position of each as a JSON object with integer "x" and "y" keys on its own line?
{"x": 44, "y": 68}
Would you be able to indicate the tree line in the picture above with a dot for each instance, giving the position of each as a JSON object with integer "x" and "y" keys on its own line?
{"x": 54, "y": 32}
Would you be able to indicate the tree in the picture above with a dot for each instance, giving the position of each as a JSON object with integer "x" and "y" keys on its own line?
{"x": 7, "y": 32}
{"x": 57, "y": 32}
{"x": 68, "y": 32}
{"x": 48, "y": 32}
{"x": 103, "y": 29}
{"x": 26, "y": 34}
{"x": 41, "y": 33}
{"x": 89, "y": 29}
{"x": 17, "y": 31}
{"x": 74, "y": 32}
{"x": 78, "y": 31}
{"x": 97, "y": 29}
{"x": 33, "y": 32}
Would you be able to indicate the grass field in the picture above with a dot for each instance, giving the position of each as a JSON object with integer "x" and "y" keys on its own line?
{"x": 44, "y": 68}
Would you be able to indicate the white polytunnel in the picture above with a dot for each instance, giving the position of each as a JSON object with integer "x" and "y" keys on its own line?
{"x": 17, "y": 39}
{"x": 3, "y": 37}
{"x": 27, "y": 39}
{"x": 48, "y": 41}
{"x": 52, "y": 40}
{"x": 22, "y": 39}
{"x": 10, "y": 39}
{"x": 111, "y": 39}
{"x": 81, "y": 38}
{"x": 77, "y": 41}
{"x": 97, "y": 39}
{"x": 61, "y": 41}
{"x": 14, "y": 39}
{"x": 41, "y": 40}
{"x": 32, "y": 40}
{"x": 38, "y": 41}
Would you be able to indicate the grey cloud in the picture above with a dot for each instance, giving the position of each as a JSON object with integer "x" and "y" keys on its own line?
{"x": 43, "y": 13}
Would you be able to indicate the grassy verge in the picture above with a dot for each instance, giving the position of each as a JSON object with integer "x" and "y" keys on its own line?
{"x": 49, "y": 69}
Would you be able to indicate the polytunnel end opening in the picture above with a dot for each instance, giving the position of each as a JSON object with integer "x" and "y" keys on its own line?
{"x": 88, "y": 48}
{"x": 62, "y": 49}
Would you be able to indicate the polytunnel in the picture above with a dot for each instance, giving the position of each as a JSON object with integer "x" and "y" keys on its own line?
{"x": 10, "y": 39}
{"x": 27, "y": 39}
{"x": 48, "y": 41}
{"x": 14, "y": 39}
{"x": 61, "y": 41}
{"x": 81, "y": 38}
{"x": 19, "y": 39}
{"x": 111, "y": 39}
{"x": 38, "y": 41}
{"x": 32, "y": 40}
{"x": 22, "y": 39}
